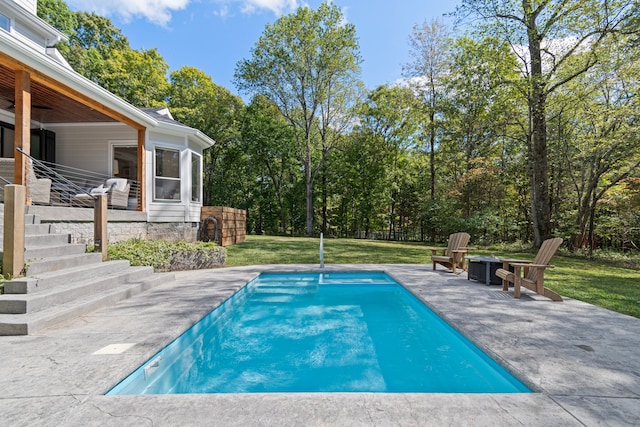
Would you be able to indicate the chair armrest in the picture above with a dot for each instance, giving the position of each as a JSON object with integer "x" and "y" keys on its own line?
{"x": 434, "y": 251}
{"x": 522, "y": 264}
{"x": 510, "y": 260}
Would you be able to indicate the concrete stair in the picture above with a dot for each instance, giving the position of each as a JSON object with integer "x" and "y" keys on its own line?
{"x": 63, "y": 282}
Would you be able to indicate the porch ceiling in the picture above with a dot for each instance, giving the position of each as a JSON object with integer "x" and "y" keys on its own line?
{"x": 47, "y": 105}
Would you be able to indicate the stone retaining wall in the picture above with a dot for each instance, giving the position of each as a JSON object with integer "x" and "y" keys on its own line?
{"x": 82, "y": 232}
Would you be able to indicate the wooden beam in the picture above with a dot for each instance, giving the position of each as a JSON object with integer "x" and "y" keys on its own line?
{"x": 142, "y": 169}
{"x": 100, "y": 226}
{"x": 13, "y": 237}
{"x": 22, "y": 136}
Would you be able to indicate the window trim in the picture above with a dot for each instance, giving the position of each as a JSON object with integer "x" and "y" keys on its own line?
{"x": 165, "y": 178}
{"x": 198, "y": 157}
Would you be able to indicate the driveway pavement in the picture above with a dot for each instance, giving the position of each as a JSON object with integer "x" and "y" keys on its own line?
{"x": 582, "y": 361}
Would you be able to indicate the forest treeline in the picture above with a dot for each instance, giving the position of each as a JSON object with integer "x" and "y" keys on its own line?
{"x": 524, "y": 127}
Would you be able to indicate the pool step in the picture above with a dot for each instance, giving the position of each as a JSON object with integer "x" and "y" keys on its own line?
{"x": 63, "y": 281}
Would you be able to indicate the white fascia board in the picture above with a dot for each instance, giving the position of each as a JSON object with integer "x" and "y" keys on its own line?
{"x": 181, "y": 130}
{"x": 49, "y": 67}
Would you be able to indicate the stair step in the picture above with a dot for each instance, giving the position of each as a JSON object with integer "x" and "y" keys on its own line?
{"x": 31, "y": 219}
{"x": 64, "y": 282}
{"x": 50, "y": 264}
{"x": 62, "y": 294}
{"x": 68, "y": 275}
{"x": 37, "y": 229}
{"x": 31, "y": 254}
{"x": 45, "y": 240}
{"x": 29, "y": 323}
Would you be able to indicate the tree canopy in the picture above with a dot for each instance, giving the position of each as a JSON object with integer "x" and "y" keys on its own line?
{"x": 305, "y": 63}
{"x": 527, "y": 126}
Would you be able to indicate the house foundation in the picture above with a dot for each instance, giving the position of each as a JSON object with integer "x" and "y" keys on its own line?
{"x": 121, "y": 225}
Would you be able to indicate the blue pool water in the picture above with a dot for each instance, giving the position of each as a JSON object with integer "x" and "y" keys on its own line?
{"x": 321, "y": 332}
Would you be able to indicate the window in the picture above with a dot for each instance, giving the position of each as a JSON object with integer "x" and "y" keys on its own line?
{"x": 5, "y": 22}
{"x": 167, "y": 176}
{"x": 125, "y": 162}
{"x": 196, "y": 177}
{"x": 7, "y": 136}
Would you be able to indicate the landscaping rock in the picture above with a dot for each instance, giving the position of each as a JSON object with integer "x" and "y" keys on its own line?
{"x": 196, "y": 260}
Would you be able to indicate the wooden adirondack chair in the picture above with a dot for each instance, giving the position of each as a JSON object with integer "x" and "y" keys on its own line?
{"x": 530, "y": 274}
{"x": 453, "y": 256}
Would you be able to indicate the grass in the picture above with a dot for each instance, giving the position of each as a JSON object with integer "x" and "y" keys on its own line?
{"x": 597, "y": 282}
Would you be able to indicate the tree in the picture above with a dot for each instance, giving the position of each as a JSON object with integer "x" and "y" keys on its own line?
{"x": 92, "y": 43}
{"x": 137, "y": 76}
{"x": 601, "y": 149}
{"x": 479, "y": 107}
{"x": 390, "y": 114}
{"x": 197, "y": 101}
{"x": 302, "y": 63}
{"x": 552, "y": 37}
{"x": 429, "y": 46}
{"x": 267, "y": 139}
{"x": 58, "y": 15}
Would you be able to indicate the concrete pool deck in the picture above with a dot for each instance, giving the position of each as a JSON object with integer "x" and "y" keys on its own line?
{"x": 582, "y": 361}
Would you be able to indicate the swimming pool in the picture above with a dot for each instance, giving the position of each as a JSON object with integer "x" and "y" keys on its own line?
{"x": 321, "y": 332}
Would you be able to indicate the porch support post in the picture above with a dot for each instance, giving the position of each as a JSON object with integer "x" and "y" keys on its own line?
{"x": 22, "y": 138}
{"x": 100, "y": 236}
{"x": 13, "y": 238}
{"x": 142, "y": 170}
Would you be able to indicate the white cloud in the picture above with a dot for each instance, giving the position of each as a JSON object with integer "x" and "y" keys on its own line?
{"x": 277, "y": 7}
{"x": 160, "y": 11}
{"x": 156, "y": 11}
{"x": 553, "y": 50}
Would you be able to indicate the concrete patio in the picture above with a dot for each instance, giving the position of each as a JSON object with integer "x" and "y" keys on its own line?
{"x": 582, "y": 361}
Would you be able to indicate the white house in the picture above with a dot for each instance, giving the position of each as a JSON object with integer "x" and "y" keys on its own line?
{"x": 56, "y": 115}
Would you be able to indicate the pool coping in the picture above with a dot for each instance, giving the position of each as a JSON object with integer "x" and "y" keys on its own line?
{"x": 580, "y": 359}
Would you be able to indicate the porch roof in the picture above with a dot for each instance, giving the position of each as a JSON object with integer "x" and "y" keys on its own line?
{"x": 60, "y": 94}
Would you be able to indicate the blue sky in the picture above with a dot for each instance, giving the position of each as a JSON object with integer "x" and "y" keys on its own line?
{"x": 213, "y": 35}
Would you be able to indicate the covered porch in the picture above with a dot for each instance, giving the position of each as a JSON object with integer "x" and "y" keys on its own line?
{"x": 68, "y": 125}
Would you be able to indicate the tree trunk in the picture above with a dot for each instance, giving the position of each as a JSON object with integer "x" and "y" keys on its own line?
{"x": 309, "y": 193}
{"x": 432, "y": 167}
{"x": 592, "y": 216}
{"x": 540, "y": 201}
{"x": 324, "y": 204}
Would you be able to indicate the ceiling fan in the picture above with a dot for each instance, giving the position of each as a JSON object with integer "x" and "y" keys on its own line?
{"x": 13, "y": 104}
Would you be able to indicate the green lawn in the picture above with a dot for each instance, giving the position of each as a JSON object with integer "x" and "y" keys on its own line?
{"x": 595, "y": 282}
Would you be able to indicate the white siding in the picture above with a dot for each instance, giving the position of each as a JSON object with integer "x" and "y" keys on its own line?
{"x": 165, "y": 212}
{"x": 194, "y": 213}
{"x": 30, "y": 5}
{"x": 165, "y": 140}
{"x": 87, "y": 147}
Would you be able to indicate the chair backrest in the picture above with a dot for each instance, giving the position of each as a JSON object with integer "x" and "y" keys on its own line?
{"x": 547, "y": 250}
{"x": 119, "y": 184}
{"x": 457, "y": 241}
